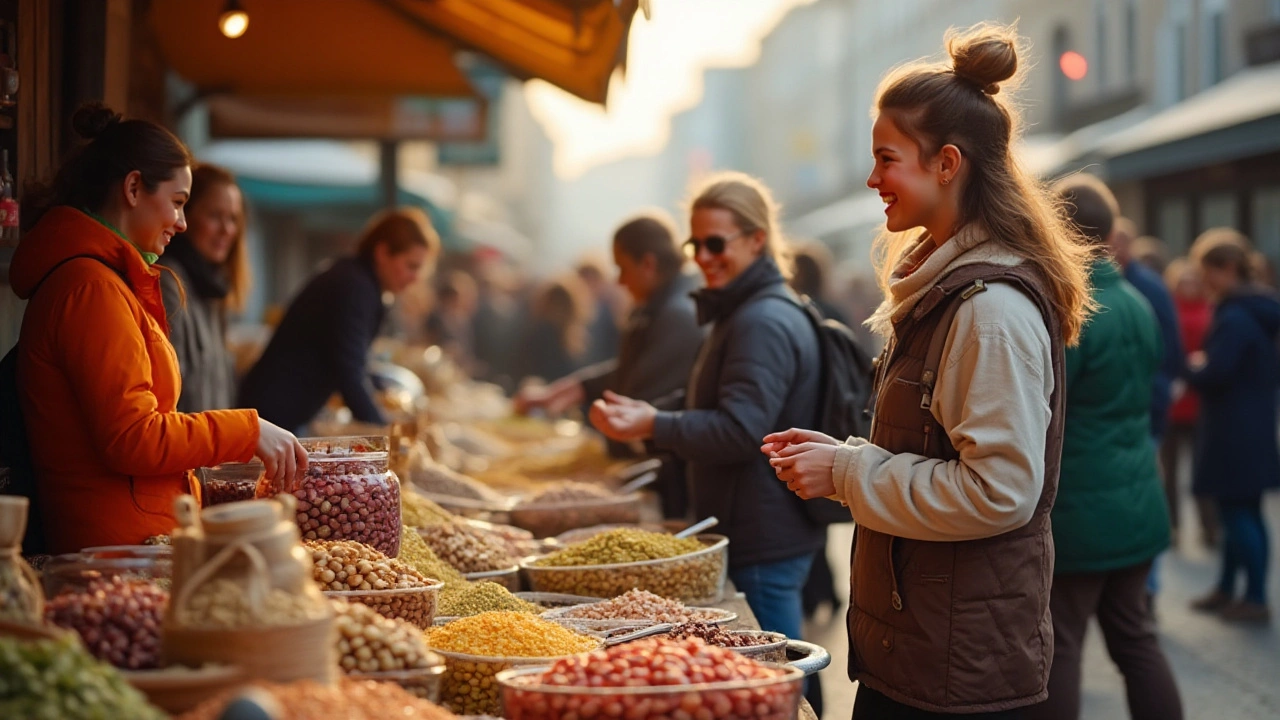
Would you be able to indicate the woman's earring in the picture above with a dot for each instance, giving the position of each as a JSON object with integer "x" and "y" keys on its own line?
{"x": 946, "y": 180}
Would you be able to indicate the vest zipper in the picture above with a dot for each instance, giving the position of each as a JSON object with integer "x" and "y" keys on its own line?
{"x": 894, "y": 598}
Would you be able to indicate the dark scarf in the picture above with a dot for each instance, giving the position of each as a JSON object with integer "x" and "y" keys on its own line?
{"x": 207, "y": 280}
{"x": 716, "y": 304}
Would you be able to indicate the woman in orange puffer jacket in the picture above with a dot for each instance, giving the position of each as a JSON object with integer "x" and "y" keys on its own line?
{"x": 98, "y": 379}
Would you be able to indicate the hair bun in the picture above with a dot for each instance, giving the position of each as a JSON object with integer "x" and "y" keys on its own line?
{"x": 984, "y": 56}
{"x": 93, "y": 119}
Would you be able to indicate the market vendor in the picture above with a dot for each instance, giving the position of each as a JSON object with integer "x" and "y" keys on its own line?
{"x": 97, "y": 377}
{"x": 659, "y": 343}
{"x": 322, "y": 345}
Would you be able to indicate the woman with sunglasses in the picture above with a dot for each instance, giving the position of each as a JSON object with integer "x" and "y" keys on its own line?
{"x": 757, "y": 373}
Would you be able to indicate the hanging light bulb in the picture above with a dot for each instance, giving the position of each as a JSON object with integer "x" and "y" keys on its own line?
{"x": 234, "y": 20}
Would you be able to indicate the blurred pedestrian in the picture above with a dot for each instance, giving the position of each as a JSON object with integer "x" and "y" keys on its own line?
{"x": 659, "y": 343}
{"x": 757, "y": 373}
{"x": 953, "y": 559}
{"x": 497, "y": 324}
{"x": 209, "y": 280}
{"x": 1110, "y": 519}
{"x": 321, "y": 346}
{"x": 603, "y": 333}
{"x": 1177, "y": 451}
{"x": 557, "y": 333}
{"x": 450, "y": 324}
{"x": 1237, "y": 459}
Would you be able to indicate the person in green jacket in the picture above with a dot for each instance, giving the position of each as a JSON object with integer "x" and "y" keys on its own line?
{"x": 1110, "y": 519}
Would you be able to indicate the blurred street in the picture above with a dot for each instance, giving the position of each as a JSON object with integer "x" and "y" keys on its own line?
{"x": 1225, "y": 672}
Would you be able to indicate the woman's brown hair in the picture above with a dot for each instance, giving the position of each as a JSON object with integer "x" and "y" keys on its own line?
{"x": 115, "y": 148}
{"x": 565, "y": 303}
{"x": 204, "y": 178}
{"x": 1224, "y": 247}
{"x": 399, "y": 229}
{"x": 960, "y": 104}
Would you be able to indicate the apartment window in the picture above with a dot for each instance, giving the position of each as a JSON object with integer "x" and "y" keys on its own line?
{"x": 1061, "y": 44}
{"x": 1215, "y": 47}
{"x": 1173, "y": 224}
{"x": 1275, "y": 9}
{"x": 1180, "y": 47}
{"x": 1219, "y": 210}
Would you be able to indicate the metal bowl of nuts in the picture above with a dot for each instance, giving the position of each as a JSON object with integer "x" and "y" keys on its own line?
{"x": 692, "y": 578}
{"x": 422, "y": 683}
{"x": 416, "y": 605}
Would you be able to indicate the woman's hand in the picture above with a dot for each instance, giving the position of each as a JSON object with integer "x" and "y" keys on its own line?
{"x": 555, "y": 398}
{"x": 281, "y": 454}
{"x": 622, "y": 418}
{"x": 795, "y": 436}
{"x": 806, "y": 467}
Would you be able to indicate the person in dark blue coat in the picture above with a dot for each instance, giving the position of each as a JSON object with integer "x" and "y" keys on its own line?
{"x": 1237, "y": 458}
{"x": 321, "y": 346}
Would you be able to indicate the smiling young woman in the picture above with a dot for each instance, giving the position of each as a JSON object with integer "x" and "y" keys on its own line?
{"x": 97, "y": 376}
{"x": 985, "y": 286}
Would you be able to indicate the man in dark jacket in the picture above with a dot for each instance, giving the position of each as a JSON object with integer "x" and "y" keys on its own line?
{"x": 1109, "y": 518}
{"x": 658, "y": 346}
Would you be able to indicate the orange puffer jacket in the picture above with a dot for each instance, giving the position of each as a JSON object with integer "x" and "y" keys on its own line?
{"x": 99, "y": 384}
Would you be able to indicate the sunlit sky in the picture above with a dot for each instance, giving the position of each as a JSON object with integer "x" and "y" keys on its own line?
{"x": 664, "y": 62}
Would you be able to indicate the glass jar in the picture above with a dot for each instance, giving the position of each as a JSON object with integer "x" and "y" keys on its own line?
{"x": 347, "y": 493}
{"x": 229, "y": 482}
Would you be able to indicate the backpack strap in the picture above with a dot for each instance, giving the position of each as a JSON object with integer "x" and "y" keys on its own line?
{"x": 933, "y": 357}
{"x": 64, "y": 261}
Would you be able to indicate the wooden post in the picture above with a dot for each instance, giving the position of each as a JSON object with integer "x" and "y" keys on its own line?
{"x": 389, "y": 168}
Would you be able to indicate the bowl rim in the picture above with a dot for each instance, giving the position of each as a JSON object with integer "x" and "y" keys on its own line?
{"x": 724, "y": 617}
{"x": 437, "y": 585}
{"x": 508, "y": 679}
{"x": 436, "y": 668}
{"x": 720, "y": 543}
{"x": 511, "y": 659}
{"x": 526, "y": 505}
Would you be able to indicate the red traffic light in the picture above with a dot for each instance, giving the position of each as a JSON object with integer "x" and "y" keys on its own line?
{"x": 1073, "y": 65}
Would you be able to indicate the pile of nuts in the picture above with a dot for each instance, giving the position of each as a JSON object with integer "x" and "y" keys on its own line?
{"x": 118, "y": 620}
{"x": 640, "y": 605}
{"x": 483, "y": 597}
{"x": 219, "y": 492}
{"x": 658, "y": 663}
{"x": 571, "y": 505}
{"x": 347, "y": 698}
{"x": 369, "y": 642}
{"x": 716, "y": 635}
{"x": 347, "y": 499}
{"x": 224, "y": 604}
{"x": 623, "y": 545}
{"x": 389, "y": 586}
{"x": 467, "y": 549}
{"x": 468, "y": 685}
{"x": 348, "y": 565}
{"x": 415, "y": 553}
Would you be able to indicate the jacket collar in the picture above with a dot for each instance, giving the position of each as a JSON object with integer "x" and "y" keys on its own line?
{"x": 1104, "y": 273}
{"x": 716, "y": 304}
{"x": 65, "y": 232}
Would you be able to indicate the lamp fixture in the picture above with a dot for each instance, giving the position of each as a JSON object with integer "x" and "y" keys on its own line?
{"x": 233, "y": 21}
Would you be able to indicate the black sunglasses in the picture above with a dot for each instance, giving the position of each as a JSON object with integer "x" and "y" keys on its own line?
{"x": 713, "y": 243}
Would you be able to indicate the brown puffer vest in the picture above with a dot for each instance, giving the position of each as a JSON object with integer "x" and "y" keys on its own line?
{"x": 958, "y": 627}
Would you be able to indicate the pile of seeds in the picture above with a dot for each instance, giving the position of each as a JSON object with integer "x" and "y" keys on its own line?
{"x": 509, "y": 634}
{"x": 415, "y": 552}
{"x": 483, "y": 597}
{"x": 568, "y": 491}
{"x": 639, "y": 605}
{"x": 59, "y": 679}
{"x": 716, "y": 635}
{"x": 623, "y": 545}
{"x": 348, "y": 699}
{"x": 418, "y": 511}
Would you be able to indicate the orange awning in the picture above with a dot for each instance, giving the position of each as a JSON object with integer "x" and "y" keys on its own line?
{"x": 574, "y": 44}
{"x": 307, "y": 48}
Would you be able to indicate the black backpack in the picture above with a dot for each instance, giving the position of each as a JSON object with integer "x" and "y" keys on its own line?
{"x": 15, "y": 451}
{"x": 845, "y": 394}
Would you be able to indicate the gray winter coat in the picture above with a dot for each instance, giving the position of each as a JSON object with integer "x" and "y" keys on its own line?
{"x": 198, "y": 334}
{"x": 757, "y": 373}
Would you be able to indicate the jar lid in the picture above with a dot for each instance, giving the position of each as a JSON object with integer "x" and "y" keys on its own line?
{"x": 238, "y": 518}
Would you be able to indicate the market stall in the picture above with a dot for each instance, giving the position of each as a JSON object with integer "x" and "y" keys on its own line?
{"x": 370, "y": 586}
